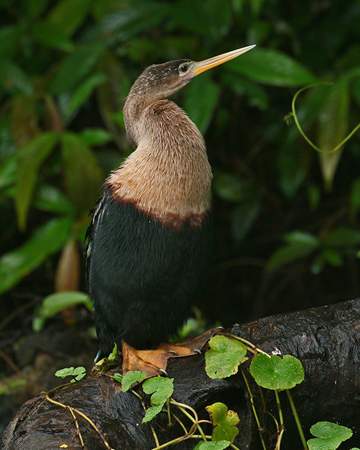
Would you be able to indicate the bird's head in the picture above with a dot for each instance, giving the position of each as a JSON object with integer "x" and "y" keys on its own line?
{"x": 163, "y": 80}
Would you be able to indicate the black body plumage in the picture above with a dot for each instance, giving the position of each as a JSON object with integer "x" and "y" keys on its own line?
{"x": 143, "y": 276}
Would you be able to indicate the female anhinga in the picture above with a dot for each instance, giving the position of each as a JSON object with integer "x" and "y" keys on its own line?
{"x": 150, "y": 237}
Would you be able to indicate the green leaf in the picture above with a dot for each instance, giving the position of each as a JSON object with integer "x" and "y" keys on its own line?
{"x": 45, "y": 241}
{"x": 30, "y": 158}
{"x": 78, "y": 373}
{"x": 113, "y": 354}
{"x": 230, "y": 187}
{"x": 275, "y": 372}
{"x": 291, "y": 169}
{"x": 128, "y": 22}
{"x": 35, "y": 7}
{"x": 95, "y": 136}
{"x": 332, "y": 256}
{"x": 8, "y": 172}
{"x": 301, "y": 244}
{"x": 133, "y": 376}
{"x": 76, "y": 66}
{"x": 224, "y": 357}
{"x": 200, "y": 101}
{"x": 55, "y": 303}
{"x": 13, "y": 78}
{"x": 51, "y": 199}
{"x": 83, "y": 176}
{"x": 342, "y": 237}
{"x": 83, "y": 92}
{"x": 211, "y": 445}
{"x": 51, "y": 34}
{"x": 224, "y": 421}
{"x": 243, "y": 217}
{"x": 68, "y": 15}
{"x": 333, "y": 126}
{"x": 118, "y": 377}
{"x": 10, "y": 385}
{"x": 354, "y": 199}
{"x": 271, "y": 67}
{"x": 215, "y": 17}
{"x": 9, "y": 36}
{"x": 302, "y": 238}
{"x": 161, "y": 390}
{"x": 328, "y": 436}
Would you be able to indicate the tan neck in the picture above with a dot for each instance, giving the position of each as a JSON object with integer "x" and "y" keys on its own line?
{"x": 168, "y": 173}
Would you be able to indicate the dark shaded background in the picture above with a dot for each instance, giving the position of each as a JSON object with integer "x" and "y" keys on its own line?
{"x": 286, "y": 218}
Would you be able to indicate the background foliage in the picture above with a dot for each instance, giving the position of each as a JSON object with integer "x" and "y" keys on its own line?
{"x": 286, "y": 216}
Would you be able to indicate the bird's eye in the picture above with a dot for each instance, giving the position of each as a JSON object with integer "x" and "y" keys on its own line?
{"x": 183, "y": 68}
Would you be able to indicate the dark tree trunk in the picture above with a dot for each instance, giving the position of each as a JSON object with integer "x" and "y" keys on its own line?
{"x": 326, "y": 340}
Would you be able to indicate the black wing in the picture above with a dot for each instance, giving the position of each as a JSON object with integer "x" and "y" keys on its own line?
{"x": 97, "y": 215}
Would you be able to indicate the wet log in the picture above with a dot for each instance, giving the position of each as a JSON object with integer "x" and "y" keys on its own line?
{"x": 326, "y": 340}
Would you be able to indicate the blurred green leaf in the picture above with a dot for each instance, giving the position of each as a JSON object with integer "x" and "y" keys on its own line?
{"x": 314, "y": 196}
{"x": 50, "y": 198}
{"x": 302, "y": 238}
{"x": 9, "y": 36}
{"x": 230, "y": 187}
{"x": 83, "y": 176}
{"x": 200, "y": 101}
{"x": 76, "y": 66}
{"x": 301, "y": 244}
{"x": 275, "y": 372}
{"x": 291, "y": 168}
{"x": 332, "y": 256}
{"x": 129, "y": 21}
{"x": 256, "y": 6}
{"x": 30, "y": 157}
{"x": 11, "y": 384}
{"x": 8, "y": 172}
{"x": 333, "y": 126}
{"x": 257, "y": 95}
{"x": 211, "y": 18}
{"x": 35, "y": 7}
{"x": 68, "y": 15}
{"x": 45, "y": 241}
{"x": 243, "y": 217}
{"x": 83, "y": 92}
{"x": 52, "y": 35}
{"x": 55, "y": 303}
{"x": 95, "y": 136}
{"x": 23, "y": 119}
{"x": 342, "y": 236}
{"x": 271, "y": 67}
{"x": 7, "y": 142}
{"x": 110, "y": 95}
{"x": 354, "y": 199}
{"x": 14, "y": 79}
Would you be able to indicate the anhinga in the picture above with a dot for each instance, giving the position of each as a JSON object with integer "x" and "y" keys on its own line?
{"x": 149, "y": 242}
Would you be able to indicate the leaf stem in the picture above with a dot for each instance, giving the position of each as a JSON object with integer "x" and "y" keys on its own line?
{"x": 251, "y": 347}
{"x": 281, "y": 420}
{"x": 254, "y": 409}
{"x": 302, "y": 131}
{"x": 194, "y": 419}
{"x": 297, "y": 420}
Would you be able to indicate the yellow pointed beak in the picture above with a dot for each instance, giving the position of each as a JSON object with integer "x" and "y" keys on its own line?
{"x": 202, "y": 66}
